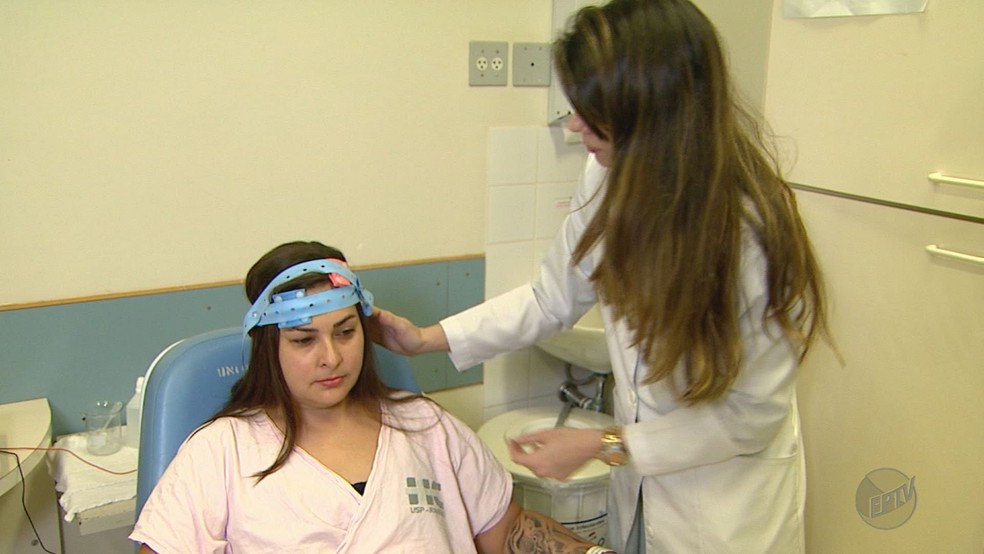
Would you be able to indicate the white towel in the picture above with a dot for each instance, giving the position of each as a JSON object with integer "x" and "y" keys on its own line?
{"x": 83, "y": 486}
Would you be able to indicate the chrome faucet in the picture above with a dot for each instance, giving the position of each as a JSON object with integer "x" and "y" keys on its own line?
{"x": 572, "y": 396}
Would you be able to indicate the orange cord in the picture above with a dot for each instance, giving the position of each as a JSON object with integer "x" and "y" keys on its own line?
{"x": 81, "y": 459}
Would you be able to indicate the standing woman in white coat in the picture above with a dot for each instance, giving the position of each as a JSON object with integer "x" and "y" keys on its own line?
{"x": 685, "y": 232}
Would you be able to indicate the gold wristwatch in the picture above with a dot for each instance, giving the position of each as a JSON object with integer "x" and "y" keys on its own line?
{"x": 613, "y": 451}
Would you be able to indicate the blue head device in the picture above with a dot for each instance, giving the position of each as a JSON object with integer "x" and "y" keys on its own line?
{"x": 293, "y": 308}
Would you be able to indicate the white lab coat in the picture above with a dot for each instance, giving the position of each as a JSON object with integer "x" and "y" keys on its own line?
{"x": 727, "y": 476}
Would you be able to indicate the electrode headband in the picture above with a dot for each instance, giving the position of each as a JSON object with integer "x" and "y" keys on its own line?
{"x": 293, "y": 308}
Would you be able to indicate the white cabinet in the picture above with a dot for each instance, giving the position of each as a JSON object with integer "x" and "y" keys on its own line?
{"x": 872, "y": 105}
{"x": 909, "y": 397}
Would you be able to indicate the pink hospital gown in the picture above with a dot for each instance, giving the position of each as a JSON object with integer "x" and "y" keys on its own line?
{"x": 431, "y": 489}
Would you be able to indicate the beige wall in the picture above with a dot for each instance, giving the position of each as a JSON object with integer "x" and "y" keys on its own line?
{"x": 159, "y": 144}
{"x": 744, "y": 29}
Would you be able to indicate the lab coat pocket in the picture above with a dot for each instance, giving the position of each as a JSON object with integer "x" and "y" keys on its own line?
{"x": 754, "y": 504}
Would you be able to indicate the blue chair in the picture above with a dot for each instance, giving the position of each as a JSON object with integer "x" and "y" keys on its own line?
{"x": 190, "y": 380}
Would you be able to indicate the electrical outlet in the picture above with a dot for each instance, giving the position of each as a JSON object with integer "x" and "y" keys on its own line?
{"x": 531, "y": 64}
{"x": 488, "y": 64}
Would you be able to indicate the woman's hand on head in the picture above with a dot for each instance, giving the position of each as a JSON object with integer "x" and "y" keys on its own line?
{"x": 400, "y": 335}
{"x": 394, "y": 332}
{"x": 556, "y": 453}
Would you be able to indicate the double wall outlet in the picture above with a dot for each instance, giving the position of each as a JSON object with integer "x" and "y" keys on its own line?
{"x": 488, "y": 64}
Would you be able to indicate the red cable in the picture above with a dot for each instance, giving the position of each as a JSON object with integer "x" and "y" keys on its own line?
{"x": 81, "y": 459}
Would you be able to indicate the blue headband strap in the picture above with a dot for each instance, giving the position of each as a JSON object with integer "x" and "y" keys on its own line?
{"x": 293, "y": 308}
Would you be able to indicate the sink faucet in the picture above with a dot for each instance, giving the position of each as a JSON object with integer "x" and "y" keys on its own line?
{"x": 571, "y": 396}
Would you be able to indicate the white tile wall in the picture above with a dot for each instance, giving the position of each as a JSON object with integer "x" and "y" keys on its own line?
{"x": 532, "y": 174}
{"x": 553, "y": 201}
{"x": 512, "y": 155}
{"x": 512, "y": 213}
{"x": 507, "y": 265}
{"x": 507, "y": 378}
{"x": 546, "y": 375}
{"x": 557, "y": 160}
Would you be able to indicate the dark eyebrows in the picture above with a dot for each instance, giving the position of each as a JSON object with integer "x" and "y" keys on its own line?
{"x": 346, "y": 320}
{"x": 306, "y": 329}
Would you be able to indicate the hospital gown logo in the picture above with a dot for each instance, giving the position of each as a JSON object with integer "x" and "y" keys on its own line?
{"x": 424, "y": 496}
{"x": 886, "y": 498}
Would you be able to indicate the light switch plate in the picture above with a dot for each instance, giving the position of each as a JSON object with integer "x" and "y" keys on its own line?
{"x": 488, "y": 64}
{"x": 531, "y": 64}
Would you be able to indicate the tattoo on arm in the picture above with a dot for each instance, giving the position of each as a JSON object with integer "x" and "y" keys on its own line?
{"x": 535, "y": 533}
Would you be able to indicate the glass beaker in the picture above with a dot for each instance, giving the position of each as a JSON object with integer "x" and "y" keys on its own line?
{"x": 103, "y": 434}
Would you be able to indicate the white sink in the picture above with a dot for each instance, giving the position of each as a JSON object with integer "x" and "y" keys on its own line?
{"x": 582, "y": 346}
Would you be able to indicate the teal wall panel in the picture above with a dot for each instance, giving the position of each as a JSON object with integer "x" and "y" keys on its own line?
{"x": 419, "y": 293}
{"x": 76, "y": 353}
{"x": 73, "y": 354}
{"x": 426, "y": 293}
{"x": 467, "y": 280}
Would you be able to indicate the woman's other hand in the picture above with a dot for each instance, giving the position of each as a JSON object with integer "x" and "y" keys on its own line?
{"x": 556, "y": 453}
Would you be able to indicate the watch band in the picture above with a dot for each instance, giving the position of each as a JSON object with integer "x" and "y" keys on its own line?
{"x": 613, "y": 451}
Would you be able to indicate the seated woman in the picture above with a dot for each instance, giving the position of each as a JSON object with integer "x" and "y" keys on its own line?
{"x": 313, "y": 453}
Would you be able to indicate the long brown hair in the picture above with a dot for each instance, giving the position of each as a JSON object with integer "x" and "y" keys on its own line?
{"x": 691, "y": 167}
{"x": 263, "y": 386}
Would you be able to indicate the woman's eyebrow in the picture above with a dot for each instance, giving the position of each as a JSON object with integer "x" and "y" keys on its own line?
{"x": 306, "y": 329}
{"x": 345, "y": 320}
{"x": 301, "y": 329}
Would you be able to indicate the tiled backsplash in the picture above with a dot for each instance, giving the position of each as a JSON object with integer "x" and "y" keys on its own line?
{"x": 532, "y": 174}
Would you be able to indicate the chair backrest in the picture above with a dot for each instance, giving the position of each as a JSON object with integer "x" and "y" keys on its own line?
{"x": 190, "y": 381}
